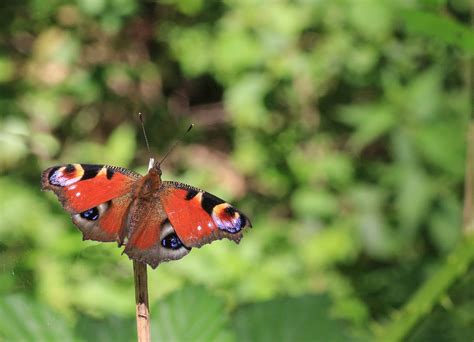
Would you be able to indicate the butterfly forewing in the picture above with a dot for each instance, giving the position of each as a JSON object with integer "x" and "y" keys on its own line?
{"x": 80, "y": 187}
{"x": 199, "y": 217}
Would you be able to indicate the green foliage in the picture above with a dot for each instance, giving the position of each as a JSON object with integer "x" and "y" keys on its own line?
{"x": 25, "y": 320}
{"x": 339, "y": 127}
{"x": 192, "y": 314}
{"x": 441, "y": 28}
{"x": 289, "y": 319}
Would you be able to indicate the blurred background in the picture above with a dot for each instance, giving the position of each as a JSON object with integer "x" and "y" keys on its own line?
{"x": 338, "y": 127}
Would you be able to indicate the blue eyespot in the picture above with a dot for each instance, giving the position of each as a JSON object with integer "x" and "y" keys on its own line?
{"x": 172, "y": 241}
{"x": 91, "y": 214}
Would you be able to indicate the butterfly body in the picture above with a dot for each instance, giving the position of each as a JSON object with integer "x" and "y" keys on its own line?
{"x": 156, "y": 220}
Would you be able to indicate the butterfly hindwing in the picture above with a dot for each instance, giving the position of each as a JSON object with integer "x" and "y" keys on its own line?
{"x": 152, "y": 239}
{"x": 105, "y": 221}
{"x": 199, "y": 217}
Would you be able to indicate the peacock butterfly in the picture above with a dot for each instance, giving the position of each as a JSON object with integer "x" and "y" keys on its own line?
{"x": 156, "y": 220}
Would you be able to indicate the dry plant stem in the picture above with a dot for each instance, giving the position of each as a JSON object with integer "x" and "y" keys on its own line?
{"x": 141, "y": 301}
{"x": 140, "y": 280}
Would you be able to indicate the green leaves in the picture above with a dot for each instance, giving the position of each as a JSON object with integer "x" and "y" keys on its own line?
{"x": 370, "y": 121}
{"x": 440, "y": 28}
{"x": 23, "y": 319}
{"x": 306, "y": 318}
{"x": 191, "y": 314}
{"x": 108, "y": 329}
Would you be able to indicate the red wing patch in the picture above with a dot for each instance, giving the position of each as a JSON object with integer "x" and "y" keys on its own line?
{"x": 152, "y": 238}
{"x": 105, "y": 221}
{"x": 82, "y": 186}
{"x": 199, "y": 217}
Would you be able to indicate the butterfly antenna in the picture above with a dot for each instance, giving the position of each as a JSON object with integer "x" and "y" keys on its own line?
{"x": 142, "y": 121}
{"x": 175, "y": 144}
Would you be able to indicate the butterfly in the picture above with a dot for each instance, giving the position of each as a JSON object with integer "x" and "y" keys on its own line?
{"x": 155, "y": 220}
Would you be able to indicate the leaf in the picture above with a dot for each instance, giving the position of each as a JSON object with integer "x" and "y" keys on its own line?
{"x": 121, "y": 145}
{"x": 443, "y": 145}
{"x": 191, "y": 314}
{"x": 112, "y": 328}
{"x": 370, "y": 122}
{"x": 378, "y": 239}
{"x": 245, "y": 100}
{"x": 414, "y": 196}
{"x": 310, "y": 203}
{"x": 445, "y": 224}
{"x": 305, "y": 318}
{"x": 437, "y": 27}
{"x": 22, "y": 319}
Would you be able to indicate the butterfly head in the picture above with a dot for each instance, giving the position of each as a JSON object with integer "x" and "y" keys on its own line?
{"x": 157, "y": 168}
{"x": 154, "y": 167}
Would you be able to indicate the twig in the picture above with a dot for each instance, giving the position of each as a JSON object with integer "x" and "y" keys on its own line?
{"x": 141, "y": 301}
{"x": 429, "y": 294}
{"x": 140, "y": 280}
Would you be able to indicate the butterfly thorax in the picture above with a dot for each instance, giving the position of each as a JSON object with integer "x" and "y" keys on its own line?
{"x": 150, "y": 184}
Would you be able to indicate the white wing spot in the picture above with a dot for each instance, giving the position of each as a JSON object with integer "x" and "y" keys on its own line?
{"x": 72, "y": 187}
{"x": 199, "y": 227}
{"x": 58, "y": 178}
{"x": 209, "y": 225}
{"x": 78, "y": 194}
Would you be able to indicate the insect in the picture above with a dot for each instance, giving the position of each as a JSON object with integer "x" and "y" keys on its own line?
{"x": 156, "y": 220}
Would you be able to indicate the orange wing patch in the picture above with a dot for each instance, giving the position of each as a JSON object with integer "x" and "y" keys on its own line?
{"x": 199, "y": 217}
{"x": 82, "y": 186}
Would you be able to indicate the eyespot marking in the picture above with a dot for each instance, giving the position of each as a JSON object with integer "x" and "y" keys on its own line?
{"x": 171, "y": 241}
{"x": 91, "y": 214}
{"x": 66, "y": 175}
{"x": 52, "y": 172}
{"x": 228, "y": 218}
{"x": 230, "y": 210}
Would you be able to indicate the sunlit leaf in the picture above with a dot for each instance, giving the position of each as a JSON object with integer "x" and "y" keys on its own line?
{"x": 440, "y": 28}
{"x": 370, "y": 121}
{"x": 190, "y": 314}
{"x": 113, "y": 329}
{"x": 23, "y": 319}
{"x": 305, "y": 318}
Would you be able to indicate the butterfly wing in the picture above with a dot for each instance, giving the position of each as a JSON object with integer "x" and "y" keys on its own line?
{"x": 152, "y": 239}
{"x": 97, "y": 196}
{"x": 83, "y": 186}
{"x": 199, "y": 217}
